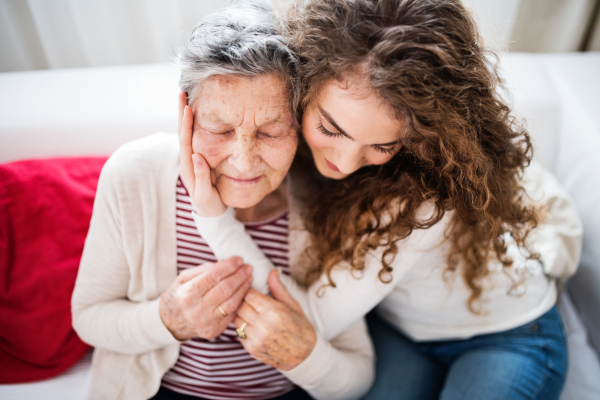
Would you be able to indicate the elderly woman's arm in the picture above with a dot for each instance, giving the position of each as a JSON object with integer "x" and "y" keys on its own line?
{"x": 102, "y": 314}
{"x": 117, "y": 304}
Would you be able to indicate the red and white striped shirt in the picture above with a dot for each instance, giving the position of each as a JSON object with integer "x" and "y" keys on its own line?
{"x": 221, "y": 368}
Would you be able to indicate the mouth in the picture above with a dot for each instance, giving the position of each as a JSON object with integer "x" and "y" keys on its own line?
{"x": 331, "y": 165}
{"x": 244, "y": 181}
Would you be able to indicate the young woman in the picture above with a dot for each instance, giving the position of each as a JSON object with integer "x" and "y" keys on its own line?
{"x": 430, "y": 202}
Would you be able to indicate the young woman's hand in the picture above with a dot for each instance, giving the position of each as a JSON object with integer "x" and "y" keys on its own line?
{"x": 202, "y": 301}
{"x": 277, "y": 331}
{"x": 194, "y": 169}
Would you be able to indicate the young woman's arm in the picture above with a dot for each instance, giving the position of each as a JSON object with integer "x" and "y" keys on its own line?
{"x": 279, "y": 334}
{"x": 331, "y": 311}
{"x": 558, "y": 237}
{"x": 343, "y": 368}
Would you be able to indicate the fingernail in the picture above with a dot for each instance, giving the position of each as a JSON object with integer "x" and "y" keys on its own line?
{"x": 248, "y": 269}
{"x": 238, "y": 261}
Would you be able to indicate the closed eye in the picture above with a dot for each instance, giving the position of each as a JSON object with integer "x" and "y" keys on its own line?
{"x": 329, "y": 133}
{"x": 219, "y": 133}
{"x": 381, "y": 149}
{"x": 268, "y": 136}
{"x": 385, "y": 150}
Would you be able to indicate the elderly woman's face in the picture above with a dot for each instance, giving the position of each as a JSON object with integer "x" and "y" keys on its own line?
{"x": 244, "y": 129}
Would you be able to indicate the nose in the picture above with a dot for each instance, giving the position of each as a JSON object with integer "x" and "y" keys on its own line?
{"x": 244, "y": 156}
{"x": 350, "y": 158}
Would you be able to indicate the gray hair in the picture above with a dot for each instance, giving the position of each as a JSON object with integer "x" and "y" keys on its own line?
{"x": 240, "y": 39}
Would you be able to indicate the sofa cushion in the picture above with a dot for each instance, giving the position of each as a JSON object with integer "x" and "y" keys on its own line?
{"x": 45, "y": 211}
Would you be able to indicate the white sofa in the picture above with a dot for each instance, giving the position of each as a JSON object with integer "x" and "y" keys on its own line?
{"x": 93, "y": 111}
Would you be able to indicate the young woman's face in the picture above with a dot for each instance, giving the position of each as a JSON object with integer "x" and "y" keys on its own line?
{"x": 347, "y": 129}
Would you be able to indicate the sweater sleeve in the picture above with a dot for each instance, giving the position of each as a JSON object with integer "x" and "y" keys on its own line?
{"x": 343, "y": 368}
{"x": 340, "y": 367}
{"x": 331, "y": 310}
{"x": 558, "y": 238}
{"x": 227, "y": 237}
{"x": 103, "y": 316}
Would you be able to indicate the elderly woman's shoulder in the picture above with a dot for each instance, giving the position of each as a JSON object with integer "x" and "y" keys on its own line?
{"x": 146, "y": 157}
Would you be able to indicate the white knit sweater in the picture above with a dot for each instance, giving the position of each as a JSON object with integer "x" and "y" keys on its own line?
{"x": 129, "y": 259}
{"x": 419, "y": 301}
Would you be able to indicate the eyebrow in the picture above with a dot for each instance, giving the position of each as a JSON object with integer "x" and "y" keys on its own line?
{"x": 330, "y": 119}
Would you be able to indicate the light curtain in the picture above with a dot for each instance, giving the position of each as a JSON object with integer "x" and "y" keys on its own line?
{"x": 547, "y": 26}
{"x": 39, "y": 34}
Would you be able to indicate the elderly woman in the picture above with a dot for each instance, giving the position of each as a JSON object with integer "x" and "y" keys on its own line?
{"x": 152, "y": 298}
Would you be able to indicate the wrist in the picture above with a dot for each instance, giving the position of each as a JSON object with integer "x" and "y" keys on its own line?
{"x": 209, "y": 211}
{"x": 168, "y": 318}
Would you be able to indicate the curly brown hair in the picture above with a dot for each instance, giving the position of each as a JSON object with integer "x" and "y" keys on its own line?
{"x": 462, "y": 151}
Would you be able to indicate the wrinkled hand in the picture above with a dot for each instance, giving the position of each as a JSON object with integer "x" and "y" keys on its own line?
{"x": 189, "y": 307}
{"x": 277, "y": 332}
{"x": 194, "y": 169}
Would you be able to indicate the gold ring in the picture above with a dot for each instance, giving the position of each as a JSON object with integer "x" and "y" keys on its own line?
{"x": 222, "y": 311}
{"x": 240, "y": 331}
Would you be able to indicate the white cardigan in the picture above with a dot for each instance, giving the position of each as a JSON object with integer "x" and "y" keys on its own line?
{"x": 130, "y": 258}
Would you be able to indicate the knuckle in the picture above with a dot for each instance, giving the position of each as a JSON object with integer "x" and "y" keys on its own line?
{"x": 212, "y": 277}
{"x": 222, "y": 290}
{"x": 277, "y": 318}
{"x": 264, "y": 330}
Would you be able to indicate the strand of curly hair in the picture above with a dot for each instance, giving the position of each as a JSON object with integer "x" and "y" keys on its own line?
{"x": 462, "y": 151}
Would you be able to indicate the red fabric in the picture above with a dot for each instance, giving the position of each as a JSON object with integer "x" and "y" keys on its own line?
{"x": 45, "y": 211}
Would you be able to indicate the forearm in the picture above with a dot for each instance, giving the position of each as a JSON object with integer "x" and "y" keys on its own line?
{"x": 121, "y": 326}
{"x": 558, "y": 237}
{"x": 333, "y": 309}
{"x": 103, "y": 315}
{"x": 342, "y": 369}
{"x": 227, "y": 237}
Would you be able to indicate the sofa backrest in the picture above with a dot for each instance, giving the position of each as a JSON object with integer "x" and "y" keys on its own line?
{"x": 93, "y": 111}
{"x": 560, "y": 97}
{"x": 82, "y": 112}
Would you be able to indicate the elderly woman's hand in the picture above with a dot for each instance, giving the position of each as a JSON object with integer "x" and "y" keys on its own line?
{"x": 196, "y": 302}
{"x": 277, "y": 331}
{"x": 194, "y": 169}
